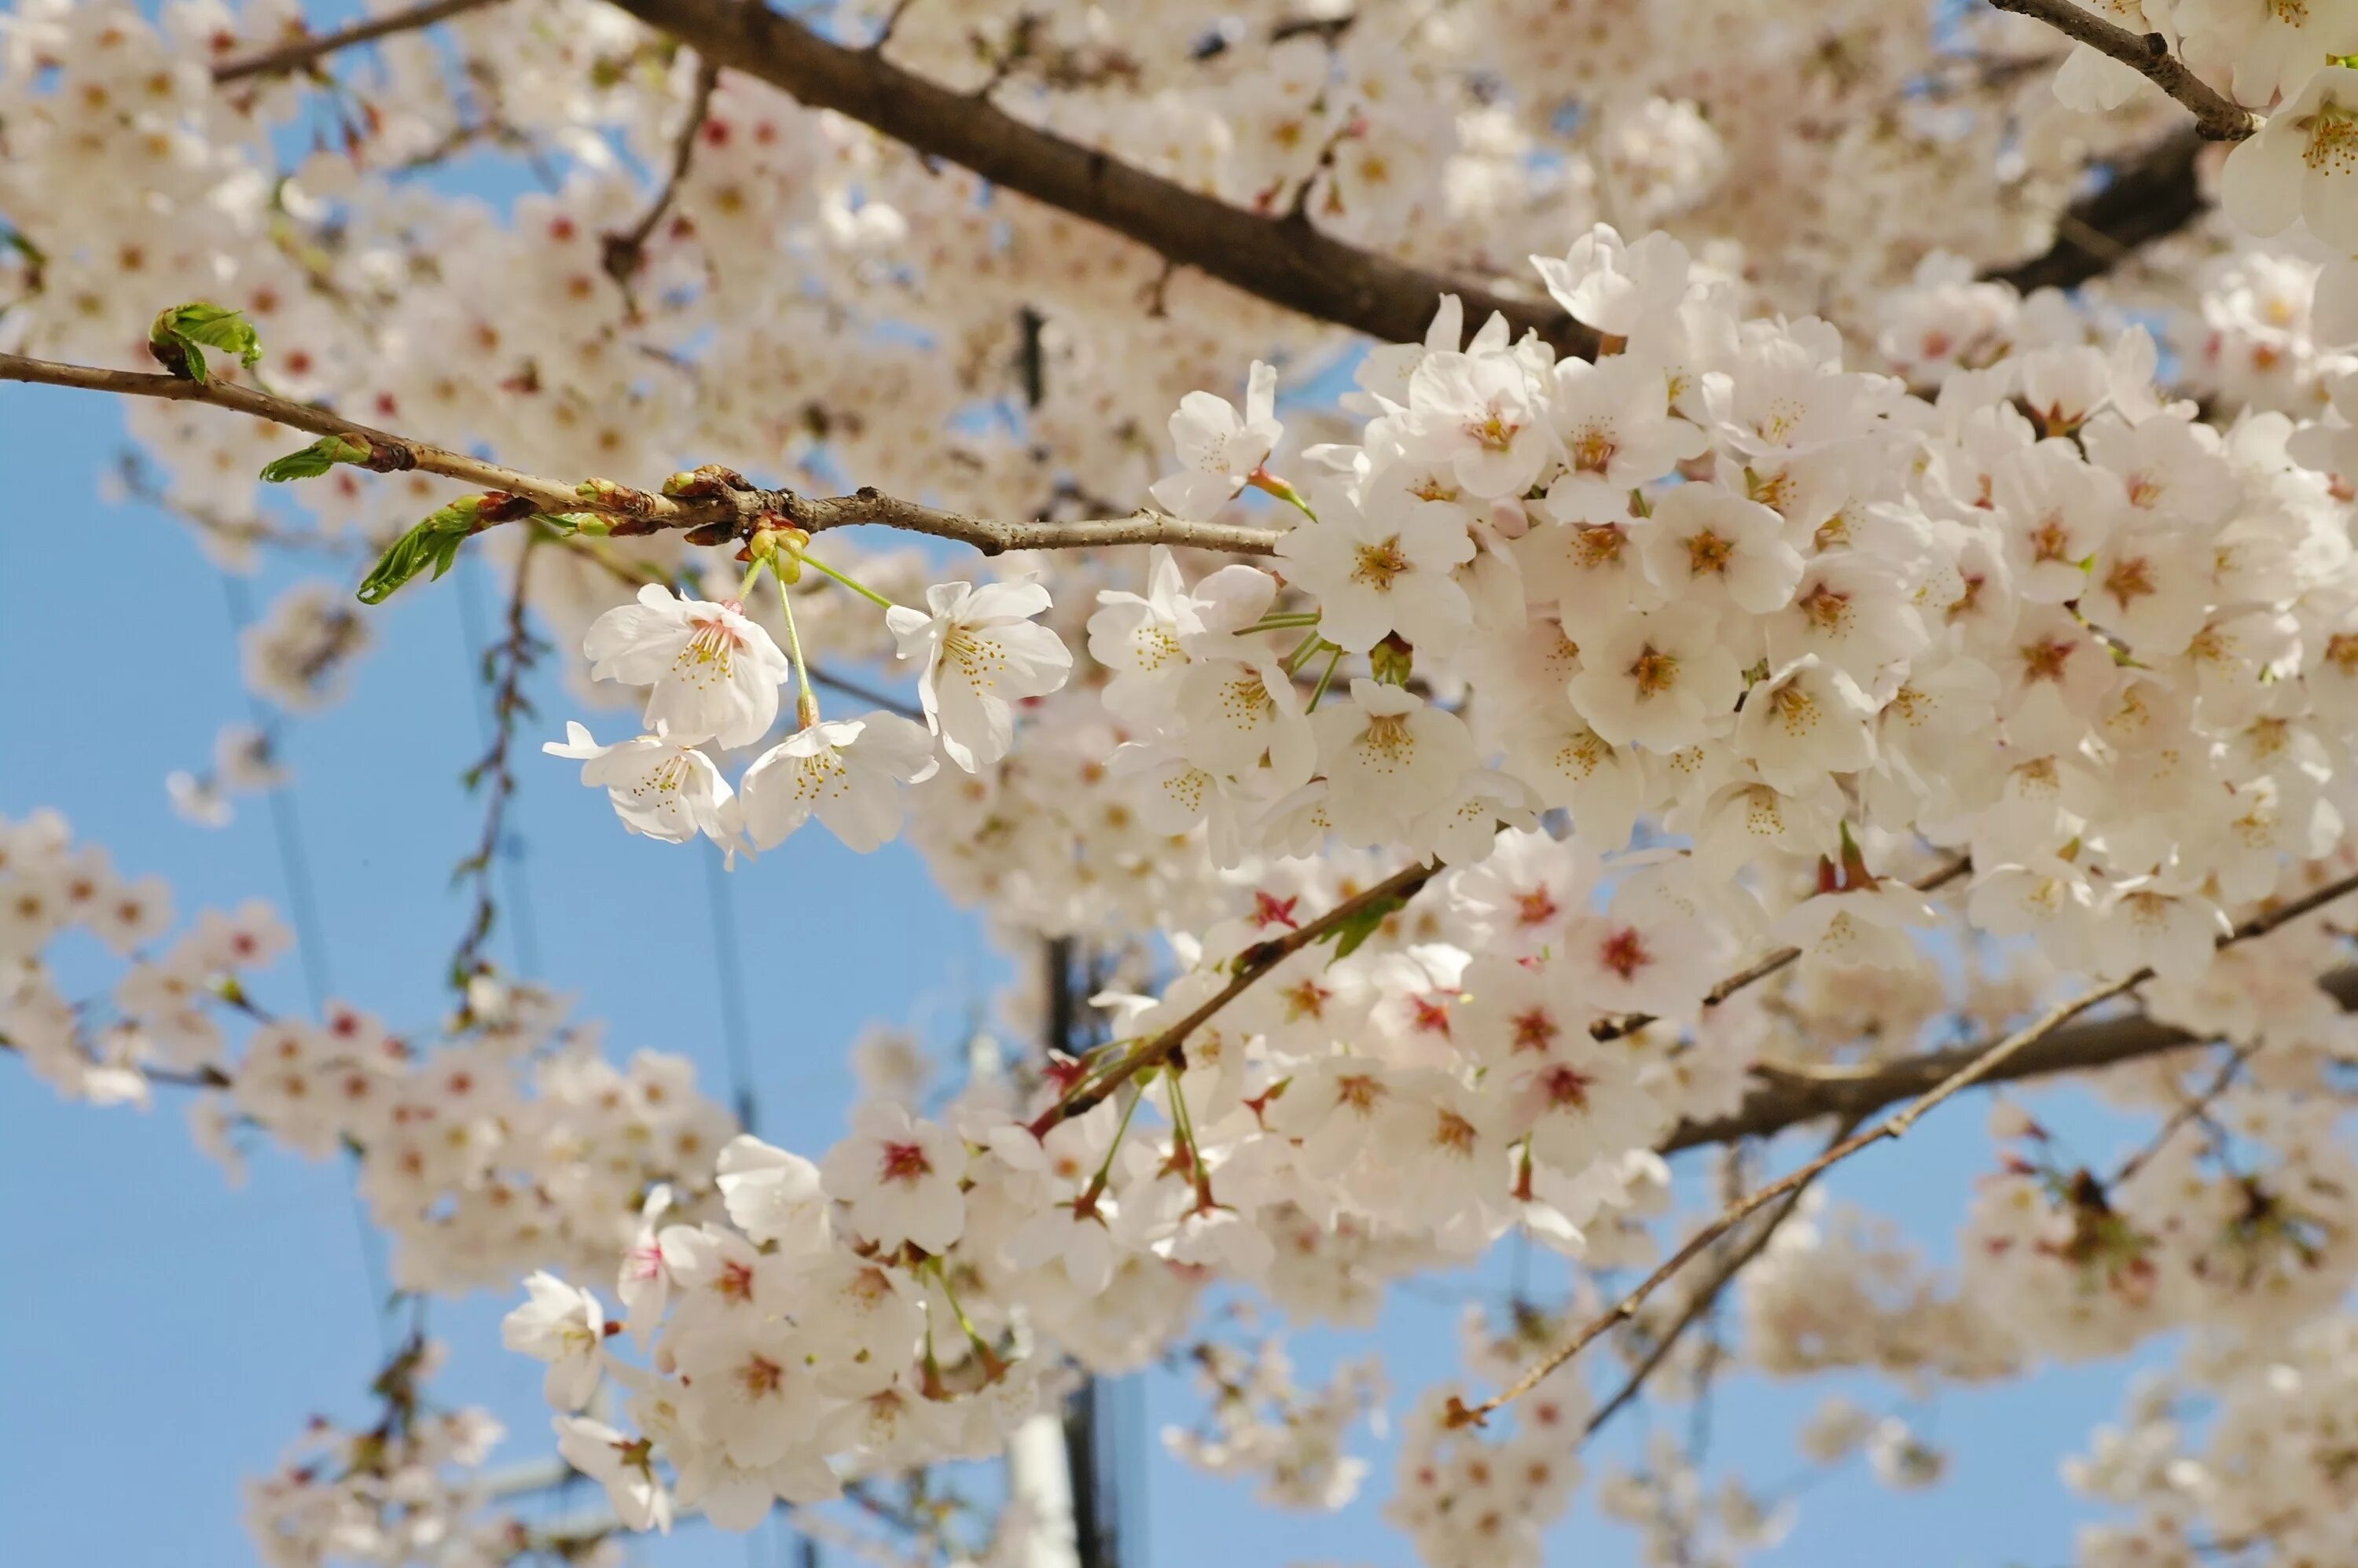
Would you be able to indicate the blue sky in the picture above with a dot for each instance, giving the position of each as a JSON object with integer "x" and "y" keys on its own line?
{"x": 163, "y": 1336}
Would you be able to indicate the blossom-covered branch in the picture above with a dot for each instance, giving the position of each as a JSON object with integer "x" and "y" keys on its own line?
{"x": 302, "y": 51}
{"x": 1980, "y": 1064}
{"x": 1367, "y": 907}
{"x": 1286, "y": 260}
{"x": 2216, "y": 117}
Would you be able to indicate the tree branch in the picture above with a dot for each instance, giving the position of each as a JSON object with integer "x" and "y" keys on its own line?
{"x": 1980, "y": 1064}
{"x": 730, "y": 512}
{"x": 2216, "y": 117}
{"x": 1247, "y": 966}
{"x": 1288, "y": 264}
{"x": 1706, "y": 1294}
{"x": 294, "y": 56}
{"x": 2149, "y": 197}
{"x": 624, "y": 251}
{"x": 1631, "y": 1023}
{"x": 1790, "y": 1098}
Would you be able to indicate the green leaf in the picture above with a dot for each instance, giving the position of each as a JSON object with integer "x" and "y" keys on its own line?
{"x": 174, "y": 335}
{"x": 434, "y": 542}
{"x": 315, "y": 459}
{"x": 1361, "y": 924}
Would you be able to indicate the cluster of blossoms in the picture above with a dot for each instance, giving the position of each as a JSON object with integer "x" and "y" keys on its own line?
{"x": 1262, "y": 1424}
{"x": 405, "y": 1492}
{"x": 508, "y": 1144}
{"x": 1735, "y": 638}
{"x": 2246, "y": 1448}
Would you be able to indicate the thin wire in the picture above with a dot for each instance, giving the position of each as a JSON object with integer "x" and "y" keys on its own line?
{"x": 731, "y": 969}
{"x": 524, "y": 925}
{"x": 312, "y": 952}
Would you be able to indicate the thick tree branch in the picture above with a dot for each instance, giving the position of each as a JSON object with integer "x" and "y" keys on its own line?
{"x": 296, "y": 56}
{"x": 2216, "y": 115}
{"x": 2149, "y": 197}
{"x": 1286, "y": 262}
{"x": 1788, "y": 1098}
{"x": 1980, "y": 1064}
{"x": 728, "y": 512}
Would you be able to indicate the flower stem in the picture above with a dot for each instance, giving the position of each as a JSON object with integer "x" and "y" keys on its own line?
{"x": 753, "y": 577}
{"x": 861, "y": 589}
{"x": 1105, "y": 1169}
{"x": 1303, "y": 652}
{"x": 1185, "y": 1126}
{"x": 805, "y": 700}
{"x": 1280, "y": 622}
{"x": 1325, "y": 680}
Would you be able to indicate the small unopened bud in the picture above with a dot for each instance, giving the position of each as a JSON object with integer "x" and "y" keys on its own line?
{"x": 1393, "y": 658}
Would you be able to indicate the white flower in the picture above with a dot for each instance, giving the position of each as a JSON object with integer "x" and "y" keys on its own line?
{"x": 619, "y": 1464}
{"x": 662, "y": 787}
{"x": 1805, "y": 722}
{"x": 1613, "y": 420}
{"x": 1389, "y": 757}
{"x": 1661, "y": 680}
{"x": 848, "y": 771}
{"x": 899, "y": 1176}
{"x": 771, "y": 1194}
{"x": 713, "y": 675}
{"x": 1704, "y": 545}
{"x": 1478, "y": 413}
{"x": 564, "y": 1327}
{"x": 1144, "y": 639}
{"x": 982, "y": 653}
{"x": 1220, "y": 451}
{"x": 2302, "y": 164}
{"x": 2149, "y": 924}
{"x": 1616, "y": 288}
{"x": 1862, "y": 928}
{"x": 1240, "y": 711}
{"x": 1383, "y": 565}
{"x": 2270, "y": 49}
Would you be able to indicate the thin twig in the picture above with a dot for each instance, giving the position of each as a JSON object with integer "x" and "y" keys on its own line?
{"x": 1247, "y": 966}
{"x": 302, "y": 52}
{"x": 2216, "y": 115}
{"x": 732, "y": 512}
{"x": 2189, "y": 1109}
{"x": 1981, "y": 1065}
{"x": 1706, "y": 1294}
{"x": 1627, "y": 1023}
{"x": 504, "y": 666}
{"x": 624, "y": 253}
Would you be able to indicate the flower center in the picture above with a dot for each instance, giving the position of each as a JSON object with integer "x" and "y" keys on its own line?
{"x": 1624, "y": 952}
{"x": 2333, "y": 139}
{"x": 2044, "y": 659}
{"x": 2130, "y": 579}
{"x": 1599, "y": 545}
{"x": 1535, "y": 1030}
{"x": 1707, "y": 554}
{"x": 1654, "y": 671}
{"x": 1386, "y": 742}
{"x": 904, "y": 1163}
{"x": 1593, "y": 447}
{"x": 1377, "y": 565}
{"x": 1492, "y": 433}
{"x": 1566, "y": 1087}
